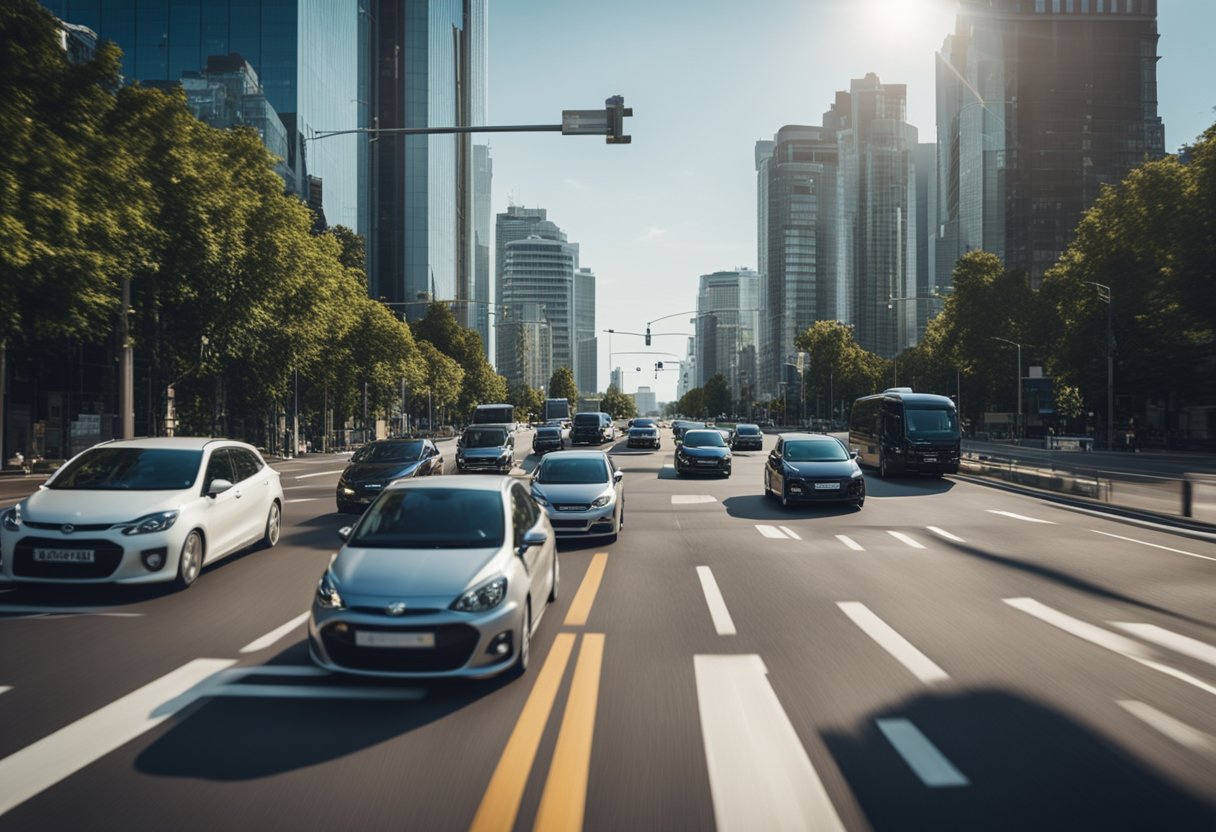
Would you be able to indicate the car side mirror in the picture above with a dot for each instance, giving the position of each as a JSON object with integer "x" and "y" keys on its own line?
{"x": 617, "y": 476}
{"x": 854, "y": 453}
{"x": 532, "y": 537}
{"x": 345, "y": 532}
{"x": 218, "y": 487}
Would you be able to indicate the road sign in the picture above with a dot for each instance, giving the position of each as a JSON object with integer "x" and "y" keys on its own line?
{"x": 584, "y": 122}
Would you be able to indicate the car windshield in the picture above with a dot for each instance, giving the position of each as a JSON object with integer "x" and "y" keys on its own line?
{"x": 926, "y": 423}
{"x": 815, "y": 451}
{"x": 548, "y": 433}
{"x": 747, "y": 430}
{"x": 572, "y": 471}
{"x": 485, "y": 438}
{"x": 432, "y": 518}
{"x": 643, "y": 423}
{"x": 703, "y": 439}
{"x": 584, "y": 420}
{"x": 641, "y": 429}
{"x": 130, "y": 469}
{"x": 388, "y": 452}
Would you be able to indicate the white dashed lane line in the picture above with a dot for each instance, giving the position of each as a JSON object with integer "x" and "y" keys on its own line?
{"x": 850, "y": 542}
{"x": 1176, "y": 730}
{"x": 319, "y": 474}
{"x": 1022, "y": 517}
{"x": 771, "y": 532}
{"x": 922, "y": 756}
{"x": 905, "y": 539}
{"x": 275, "y": 635}
{"x": 5, "y": 688}
{"x": 1162, "y": 637}
{"x": 790, "y": 532}
{"x": 723, "y": 623}
{"x": 692, "y": 499}
{"x": 945, "y": 534}
{"x": 1154, "y": 545}
{"x": 902, "y": 650}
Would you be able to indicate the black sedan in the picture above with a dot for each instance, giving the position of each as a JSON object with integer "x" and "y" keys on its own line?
{"x": 378, "y": 463}
{"x": 679, "y": 427}
{"x": 813, "y": 468}
{"x": 703, "y": 452}
{"x": 548, "y": 438}
{"x": 747, "y": 438}
{"x": 643, "y": 433}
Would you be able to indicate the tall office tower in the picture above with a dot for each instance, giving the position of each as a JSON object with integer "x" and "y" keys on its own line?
{"x": 646, "y": 402}
{"x": 483, "y": 174}
{"x": 928, "y": 303}
{"x": 1039, "y": 104}
{"x": 688, "y": 369}
{"x": 617, "y": 379}
{"x": 726, "y": 322}
{"x": 537, "y": 271}
{"x": 305, "y": 55}
{"x": 877, "y": 148}
{"x": 799, "y": 244}
{"x": 516, "y": 223}
{"x": 428, "y": 71}
{"x": 586, "y": 359}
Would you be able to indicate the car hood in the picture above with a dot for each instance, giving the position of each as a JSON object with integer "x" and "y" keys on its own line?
{"x": 493, "y": 453}
{"x": 378, "y": 471}
{"x": 823, "y": 469}
{"x": 704, "y": 452}
{"x": 580, "y": 494}
{"x": 48, "y": 505}
{"x": 404, "y": 573}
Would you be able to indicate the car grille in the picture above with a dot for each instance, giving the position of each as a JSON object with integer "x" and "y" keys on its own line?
{"x": 454, "y": 646}
{"x": 480, "y": 462}
{"x": 380, "y": 610}
{"x": 106, "y": 557}
{"x": 559, "y": 523}
{"x": 572, "y": 507}
{"x": 80, "y": 527}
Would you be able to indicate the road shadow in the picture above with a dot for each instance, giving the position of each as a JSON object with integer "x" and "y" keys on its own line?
{"x": 910, "y": 486}
{"x": 1028, "y": 766}
{"x": 759, "y": 507}
{"x": 580, "y": 544}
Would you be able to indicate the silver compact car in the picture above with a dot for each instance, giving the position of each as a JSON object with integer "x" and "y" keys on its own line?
{"x": 439, "y": 577}
{"x": 142, "y": 511}
{"x": 582, "y": 492}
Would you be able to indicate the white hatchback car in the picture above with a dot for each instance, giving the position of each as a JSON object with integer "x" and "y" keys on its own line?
{"x": 141, "y": 511}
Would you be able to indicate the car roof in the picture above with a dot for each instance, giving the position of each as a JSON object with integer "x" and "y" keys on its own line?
{"x": 575, "y": 455}
{"x": 181, "y": 443}
{"x": 703, "y": 430}
{"x": 471, "y": 482}
{"x": 746, "y": 425}
{"x": 396, "y": 440}
{"x": 810, "y": 437}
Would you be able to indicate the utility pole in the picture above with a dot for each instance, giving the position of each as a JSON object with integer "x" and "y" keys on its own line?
{"x": 126, "y": 366}
{"x": 1104, "y": 294}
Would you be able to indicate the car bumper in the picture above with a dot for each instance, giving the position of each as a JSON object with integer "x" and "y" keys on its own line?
{"x": 642, "y": 442}
{"x": 748, "y": 446}
{"x": 490, "y": 464}
{"x": 596, "y": 522}
{"x": 117, "y": 558}
{"x": 693, "y": 467}
{"x": 805, "y": 492}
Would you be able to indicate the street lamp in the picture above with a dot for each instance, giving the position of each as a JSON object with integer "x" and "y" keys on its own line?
{"x": 1018, "y": 421}
{"x": 1104, "y": 295}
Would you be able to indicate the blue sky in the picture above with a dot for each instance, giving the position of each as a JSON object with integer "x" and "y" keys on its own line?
{"x": 706, "y": 79}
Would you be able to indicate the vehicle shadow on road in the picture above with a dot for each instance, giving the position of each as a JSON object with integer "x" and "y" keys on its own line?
{"x": 1028, "y": 766}
{"x": 759, "y": 507}
{"x": 905, "y": 486}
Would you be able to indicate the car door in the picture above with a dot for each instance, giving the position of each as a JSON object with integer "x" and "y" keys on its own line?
{"x": 221, "y": 523}
{"x": 524, "y": 516}
{"x": 434, "y": 460}
{"x": 775, "y": 475}
{"x": 254, "y": 483}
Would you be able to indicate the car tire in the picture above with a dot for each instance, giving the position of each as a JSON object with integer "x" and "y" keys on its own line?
{"x": 785, "y": 500}
{"x": 190, "y": 560}
{"x": 883, "y": 471}
{"x": 861, "y": 501}
{"x": 525, "y": 645}
{"x": 274, "y": 526}
{"x": 768, "y": 492}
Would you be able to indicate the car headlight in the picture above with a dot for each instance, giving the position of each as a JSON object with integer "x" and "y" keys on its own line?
{"x": 857, "y": 474}
{"x": 158, "y": 522}
{"x": 726, "y": 458}
{"x": 602, "y": 500}
{"x": 12, "y": 519}
{"x": 485, "y": 597}
{"x": 327, "y": 592}
{"x": 347, "y": 490}
{"x": 540, "y": 498}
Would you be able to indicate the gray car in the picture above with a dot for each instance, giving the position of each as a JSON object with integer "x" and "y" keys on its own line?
{"x": 439, "y": 577}
{"x": 582, "y": 492}
{"x": 486, "y": 449}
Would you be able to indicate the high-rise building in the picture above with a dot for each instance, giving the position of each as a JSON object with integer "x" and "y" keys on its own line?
{"x": 586, "y": 345}
{"x": 926, "y": 303}
{"x": 538, "y": 271}
{"x": 617, "y": 379}
{"x": 799, "y": 240}
{"x": 1039, "y": 104}
{"x": 483, "y": 175}
{"x": 645, "y": 401}
{"x": 429, "y": 71}
{"x": 687, "y": 379}
{"x": 726, "y": 323}
{"x": 306, "y": 54}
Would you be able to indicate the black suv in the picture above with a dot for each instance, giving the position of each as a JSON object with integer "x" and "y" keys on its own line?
{"x": 592, "y": 429}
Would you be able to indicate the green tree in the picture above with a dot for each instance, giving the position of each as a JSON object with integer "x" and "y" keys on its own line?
{"x": 562, "y": 386}
{"x": 717, "y": 396}
{"x": 617, "y": 404}
{"x": 692, "y": 404}
{"x": 481, "y": 385}
{"x": 529, "y": 402}
{"x": 840, "y": 369}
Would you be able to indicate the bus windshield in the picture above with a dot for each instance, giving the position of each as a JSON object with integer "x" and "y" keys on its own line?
{"x": 497, "y": 414}
{"x": 930, "y": 423}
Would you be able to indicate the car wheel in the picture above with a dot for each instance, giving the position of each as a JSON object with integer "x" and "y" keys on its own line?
{"x": 525, "y": 644}
{"x": 768, "y": 492}
{"x": 557, "y": 577}
{"x": 274, "y": 525}
{"x": 785, "y": 500}
{"x": 861, "y": 501}
{"x": 882, "y": 466}
{"x": 190, "y": 561}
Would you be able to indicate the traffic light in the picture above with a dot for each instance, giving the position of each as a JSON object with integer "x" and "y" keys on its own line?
{"x": 617, "y": 111}
{"x": 648, "y": 336}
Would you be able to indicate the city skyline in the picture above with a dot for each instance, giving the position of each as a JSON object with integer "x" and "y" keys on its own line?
{"x": 691, "y": 193}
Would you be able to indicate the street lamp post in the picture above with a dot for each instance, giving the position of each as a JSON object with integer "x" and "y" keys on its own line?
{"x": 1018, "y": 421}
{"x": 1104, "y": 294}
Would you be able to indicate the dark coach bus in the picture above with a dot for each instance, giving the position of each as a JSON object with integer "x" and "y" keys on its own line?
{"x": 898, "y": 431}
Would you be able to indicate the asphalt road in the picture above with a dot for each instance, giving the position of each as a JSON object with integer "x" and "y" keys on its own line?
{"x": 952, "y": 656}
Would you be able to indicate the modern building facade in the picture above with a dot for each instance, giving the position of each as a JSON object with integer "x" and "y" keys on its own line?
{"x": 726, "y": 324}
{"x": 305, "y": 53}
{"x": 646, "y": 402}
{"x": 480, "y": 307}
{"x": 586, "y": 345}
{"x": 1039, "y": 104}
{"x": 538, "y": 278}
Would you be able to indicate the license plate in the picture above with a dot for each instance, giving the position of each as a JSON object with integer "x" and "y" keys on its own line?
{"x": 63, "y": 555}
{"x": 365, "y": 638}
{"x": 796, "y": 489}
{"x": 707, "y": 462}
{"x": 827, "y": 486}
{"x": 929, "y": 459}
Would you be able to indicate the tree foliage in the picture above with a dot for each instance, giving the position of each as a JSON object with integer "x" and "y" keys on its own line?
{"x": 693, "y": 404}
{"x": 717, "y": 396}
{"x": 529, "y": 402}
{"x": 562, "y": 386}
{"x": 617, "y": 404}
{"x": 480, "y": 384}
{"x": 840, "y": 369}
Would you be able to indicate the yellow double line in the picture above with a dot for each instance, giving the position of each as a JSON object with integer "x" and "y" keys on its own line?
{"x": 565, "y": 796}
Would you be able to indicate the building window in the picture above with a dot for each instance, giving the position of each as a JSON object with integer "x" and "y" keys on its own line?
{"x": 1055, "y": 6}
{"x": 1040, "y": 6}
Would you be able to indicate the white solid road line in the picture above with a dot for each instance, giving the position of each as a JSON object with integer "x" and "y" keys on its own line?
{"x": 319, "y": 474}
{"x": 717, "y": 605}
{"x": 275, "y": 635}
{"x": 1179, "y": 732}
{"x": 44, "y": 763}
{"x": 760, "y": 776}
{"x": 1185, "y": 645}
{"x": 771, "y": 531}
{"x": 1020, "y": 517}
{"x": 790, "y": 532}
{"x": 945, "y": 534}
{"x": 850, "y": 542}
{"x": 5, "y": 688}
{"x": 302, "y": 500}
{"x": 690, "y": 499}
{"x": 921, "y": 666}
{"x": 1154, "y": 545}
{"x": 922, "y": 756}
{"x": 903, "y": 538}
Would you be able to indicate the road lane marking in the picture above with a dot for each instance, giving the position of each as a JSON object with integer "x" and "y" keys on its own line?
{"x": 18, "y": 611}
{"x": 920, "y": 665}
{"x": 1104, "y": 638}
{"x": 5, "y": 688}
{"x": 319, "y": 474}
{"x": 790, "y": 532}
{"x": 257, "y": 691}
{"x": 921, "y": 755}
{"x": 275, "y": 635}
{"x": 850, "y": 542}
{"x": 564, "y": 800}
{"x": 500, "y": 804}
{"x": 690, "y": 499}
{"x": 302, "y": 500}
{"x": 717, "y": 605}
{"x": 580, "y": 608}
{"x": 945, "y": 534}
{"x": 53, "y": 758}
{"x": 1020, "y": 517}
{"x": 771, "y": 532}
{"x": 760, "y": 776}
{"x": 1162, "y": 637}
{"x": 903, "y": 538}
{"x": 1154, "y": 545}
{"x": 1176, "y": 730}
